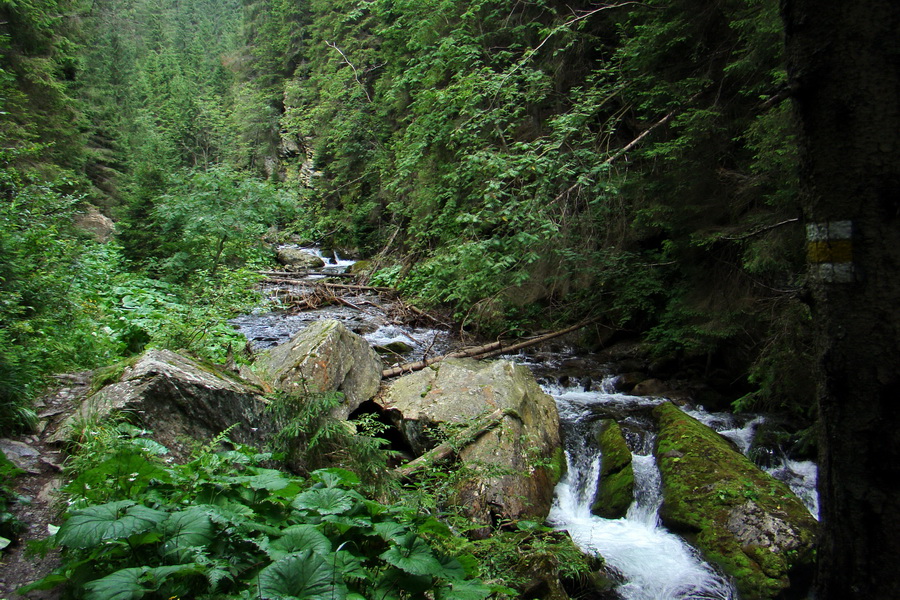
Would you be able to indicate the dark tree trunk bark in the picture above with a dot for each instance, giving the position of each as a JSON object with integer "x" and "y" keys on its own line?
{"x": 844, "y": 69}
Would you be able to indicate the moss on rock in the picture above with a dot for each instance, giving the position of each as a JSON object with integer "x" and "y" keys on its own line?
{"x": 741, "y": 518}
{"x": 615, "y": 490}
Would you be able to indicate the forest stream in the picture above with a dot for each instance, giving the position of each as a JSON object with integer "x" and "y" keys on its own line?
{"x": 653, "y": 563}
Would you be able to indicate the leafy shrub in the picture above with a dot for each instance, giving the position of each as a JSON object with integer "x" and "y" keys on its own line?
{"x": 224, "y": 526}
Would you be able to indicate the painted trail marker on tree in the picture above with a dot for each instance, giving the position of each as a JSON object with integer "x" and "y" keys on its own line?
{"x": 829, "y": 250}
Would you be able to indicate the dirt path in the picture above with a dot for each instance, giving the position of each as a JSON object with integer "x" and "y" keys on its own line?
{"x": 39, "y": 508}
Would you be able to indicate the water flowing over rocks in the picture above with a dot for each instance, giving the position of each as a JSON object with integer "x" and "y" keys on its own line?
{"x": 326, "y": 356}
{"x": 747, "y": 522}
{"x": 176, "y": 398}
{"x": 516, "y": 464}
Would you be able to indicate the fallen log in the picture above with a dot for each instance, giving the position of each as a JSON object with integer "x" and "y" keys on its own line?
{"x": 468, "y": 436}
{"x": 481, "y": 352}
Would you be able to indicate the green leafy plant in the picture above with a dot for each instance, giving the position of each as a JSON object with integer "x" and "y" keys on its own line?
{"x": 224, "y": 526}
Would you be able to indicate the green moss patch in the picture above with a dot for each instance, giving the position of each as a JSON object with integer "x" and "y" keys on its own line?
{"x": 615, "y": 490}
{"x": 741, "y": 518}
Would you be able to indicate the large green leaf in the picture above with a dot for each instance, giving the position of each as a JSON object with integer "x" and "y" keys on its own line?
{"x": 412, "y": 554}
{"x": 307, "y": 576}
{"x": 187, "y": 529}
{"x": 327, "y": 501}
{"x": 265, "y": 479}
{"x": 114, "y": 520}
{"x": 335, "y": 477}
{"x": 464, "y": 590}
{"x": 133, "y": 583}
{"x": 299, "y": 538}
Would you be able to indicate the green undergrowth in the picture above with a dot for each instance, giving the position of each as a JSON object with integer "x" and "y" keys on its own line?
{"x": 225, "y": 525}
{"x": 10, "y": 526}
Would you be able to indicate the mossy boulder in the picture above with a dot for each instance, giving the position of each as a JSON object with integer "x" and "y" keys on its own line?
{"x": 179, "y": 399}
{"x": 615, "y": 490}
{"x": 741, "y": 518}
{"x": 325, "y": 357}
{"x": 297, "y": 258}
{"x": 512, "y": 469}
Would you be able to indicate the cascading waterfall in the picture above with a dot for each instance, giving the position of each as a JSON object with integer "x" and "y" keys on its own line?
{"x": 654, "y": 563}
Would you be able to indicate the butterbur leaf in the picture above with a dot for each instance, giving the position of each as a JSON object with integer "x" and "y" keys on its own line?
{"x": 327, "y": 501}
{"x": 114, "y": 520}
{"x": 297, "y": 539}
{"x": 349, "y": 565}
{"x": 335, "y": 477}
{"x": 413, "y": 555}
{"x": 186, "y": 529}
{"x": 452, "y": 568}
{"x": 305, "y": 576}
{"x": 133, "y": 583}
{"x": 265, "y": 479}
{"x": 390, "y": 531}
{"x": 464, "y": 590}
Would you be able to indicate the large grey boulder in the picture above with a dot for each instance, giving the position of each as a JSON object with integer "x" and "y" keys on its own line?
{"x": 298, "y": 258}
{"x": 178, "y": 399}
{"x": 515, "y": 465}
{"x": 326, "y": 356}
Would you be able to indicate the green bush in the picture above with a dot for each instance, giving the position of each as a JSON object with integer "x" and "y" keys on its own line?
{"x": 224, "y": 526}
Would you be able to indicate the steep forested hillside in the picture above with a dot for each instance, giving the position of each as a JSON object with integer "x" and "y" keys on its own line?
{"x": 524, "y": 163}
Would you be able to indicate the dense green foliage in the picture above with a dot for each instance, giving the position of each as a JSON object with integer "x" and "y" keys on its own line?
{"x": 524, "y": 163}
{"x": 633, "y": 161}
{"x": 224, "y": 526}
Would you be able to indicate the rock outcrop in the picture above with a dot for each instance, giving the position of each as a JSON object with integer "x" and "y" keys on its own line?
{"x": 514, "y": 466}
{"x": 178, "y": 399}
{"x": 298, "y": 258}
{"x": 615, "y": 490}
{"x": 324, "y": 357}
{"x": 741, "y": 518}
{"x": 96, "y": 223}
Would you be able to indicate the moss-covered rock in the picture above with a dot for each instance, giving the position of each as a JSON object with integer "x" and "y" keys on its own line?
{"x": 741, "y": 518}
{"x": 324, "y": 357}
{"x": 615, "y": 490}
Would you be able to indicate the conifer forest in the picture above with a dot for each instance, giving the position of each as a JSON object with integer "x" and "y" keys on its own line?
{"x": 695, "y": 201}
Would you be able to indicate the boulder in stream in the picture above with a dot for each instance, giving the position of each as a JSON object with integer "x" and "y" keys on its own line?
{"x": 741, "y": 518}
{"x": 298, "y": 258}
{"x": 615, "y": 490}
{"x": 178, "y": 399}
{"x": 324, "y": 357}
{"x": 513, "y": 467}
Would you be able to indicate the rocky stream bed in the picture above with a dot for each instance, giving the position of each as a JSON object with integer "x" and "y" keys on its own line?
{"x": 675, "y": 509}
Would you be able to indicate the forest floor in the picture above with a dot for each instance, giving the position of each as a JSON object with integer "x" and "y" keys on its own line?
{"x": 38, "y": 507}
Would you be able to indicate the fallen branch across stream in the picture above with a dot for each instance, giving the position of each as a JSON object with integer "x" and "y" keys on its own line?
{"x": 485, "y": 351}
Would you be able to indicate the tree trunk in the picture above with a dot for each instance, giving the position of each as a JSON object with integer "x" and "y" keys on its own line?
{"x": 844, "y": 69}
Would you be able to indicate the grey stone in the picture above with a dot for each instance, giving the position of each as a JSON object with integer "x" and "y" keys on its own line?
{"x": 326, "y": 356}
{"x": 179, "y": 400}
{"x": 514, "y": 466}
{"x": 298, "y": 258}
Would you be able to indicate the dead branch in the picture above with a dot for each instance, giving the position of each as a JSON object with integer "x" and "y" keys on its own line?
{"x": 466, "y": 437}
{"x": 480, "y": 352}
{"x": 355, "y": 72}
